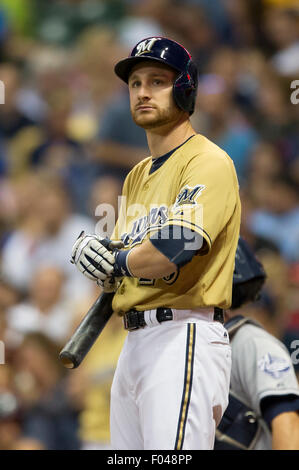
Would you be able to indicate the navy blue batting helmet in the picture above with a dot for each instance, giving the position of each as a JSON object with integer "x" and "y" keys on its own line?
{"x": 174, "y": 55}
{"x": 249, "y": 275}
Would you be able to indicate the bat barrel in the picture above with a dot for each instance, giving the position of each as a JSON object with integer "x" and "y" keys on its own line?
{"x": 87, "y": 332}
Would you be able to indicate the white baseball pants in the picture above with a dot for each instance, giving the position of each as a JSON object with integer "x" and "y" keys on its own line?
{"x": 171, "y": 385}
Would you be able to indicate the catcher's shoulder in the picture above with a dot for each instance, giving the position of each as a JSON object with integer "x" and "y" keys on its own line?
{"x": 255, "y": 335}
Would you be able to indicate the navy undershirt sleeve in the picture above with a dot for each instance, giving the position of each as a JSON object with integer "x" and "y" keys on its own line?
{"x": 275, "y": 405}
{"x": 178, "y": 244}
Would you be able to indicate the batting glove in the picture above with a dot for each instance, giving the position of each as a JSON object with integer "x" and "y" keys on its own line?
{"x": 93, "y": 256}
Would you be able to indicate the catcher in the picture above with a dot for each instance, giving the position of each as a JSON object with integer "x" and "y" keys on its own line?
{"x": 263, "y": 410}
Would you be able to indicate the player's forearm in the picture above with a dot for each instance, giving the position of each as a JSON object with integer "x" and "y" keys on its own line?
{"x": 160, "y": 256}
{"x": 285, "y": 431}
{"x": 146, "y": 261}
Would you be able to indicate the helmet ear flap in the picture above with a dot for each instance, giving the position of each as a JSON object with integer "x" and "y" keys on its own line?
{"x": 193, "y": 74}
{"x": 185, "y": 88}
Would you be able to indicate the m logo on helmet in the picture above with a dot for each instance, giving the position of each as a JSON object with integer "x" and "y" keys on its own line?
{"x": 145, "y": 46}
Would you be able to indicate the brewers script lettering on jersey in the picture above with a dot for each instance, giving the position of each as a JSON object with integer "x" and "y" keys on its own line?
{"x": 213, "y": 200}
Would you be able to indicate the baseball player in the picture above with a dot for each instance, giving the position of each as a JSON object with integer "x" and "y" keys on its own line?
{"x": 179, "y": 226}
{"x": 263, "y": 410}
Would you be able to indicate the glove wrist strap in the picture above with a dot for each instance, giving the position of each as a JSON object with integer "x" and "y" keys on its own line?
{"x": 121, "y": 267}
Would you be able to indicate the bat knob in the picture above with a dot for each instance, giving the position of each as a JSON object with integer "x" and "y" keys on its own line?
{"x": 67, "y": 360}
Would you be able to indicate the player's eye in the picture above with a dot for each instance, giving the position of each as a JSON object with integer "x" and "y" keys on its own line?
{"x": 134, "y": 83}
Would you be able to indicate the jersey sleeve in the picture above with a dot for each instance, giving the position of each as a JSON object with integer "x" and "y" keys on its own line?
{"x": 207, "y": 196}
{"x": 273, "y": 406}
{"x": 264, "y": 368}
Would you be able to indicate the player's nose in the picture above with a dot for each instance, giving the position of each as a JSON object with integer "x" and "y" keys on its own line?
{"x": 143, "y": 92}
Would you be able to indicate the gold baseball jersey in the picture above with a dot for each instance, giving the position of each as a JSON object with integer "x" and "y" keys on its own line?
{"x": 196, "y": 188}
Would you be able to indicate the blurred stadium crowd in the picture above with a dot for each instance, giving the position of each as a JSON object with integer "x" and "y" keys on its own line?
{"x": 67, "y": 142}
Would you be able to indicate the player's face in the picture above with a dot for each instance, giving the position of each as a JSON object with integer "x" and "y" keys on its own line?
{"x": 151, "y": 99}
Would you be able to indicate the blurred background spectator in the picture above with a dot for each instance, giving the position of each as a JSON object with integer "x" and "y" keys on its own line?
{"x": 48, "y": 415}
{"x": 46, "y": 309}
{"x": 67, "y": 141}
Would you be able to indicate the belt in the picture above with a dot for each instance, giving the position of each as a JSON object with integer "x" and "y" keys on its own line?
{"x": 134, "y": 319}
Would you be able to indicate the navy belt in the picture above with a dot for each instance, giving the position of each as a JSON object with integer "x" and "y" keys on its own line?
{"x": 134, "y": 319}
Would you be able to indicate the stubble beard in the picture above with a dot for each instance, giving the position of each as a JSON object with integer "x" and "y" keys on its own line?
{"x": 160, "y": 118}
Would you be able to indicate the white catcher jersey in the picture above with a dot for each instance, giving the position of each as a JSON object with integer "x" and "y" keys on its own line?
{"x": 261, "y": 367}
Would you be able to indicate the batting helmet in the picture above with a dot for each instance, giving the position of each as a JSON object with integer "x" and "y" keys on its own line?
{"x": 249, "y": 275}
{"x": 174, "y": 55}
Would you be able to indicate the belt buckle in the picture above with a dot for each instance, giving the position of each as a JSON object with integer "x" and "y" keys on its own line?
{"x": 219, "y": 315}
{"x": 128, "y": 322}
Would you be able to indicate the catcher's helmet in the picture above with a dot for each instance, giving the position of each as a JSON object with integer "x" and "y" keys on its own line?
{"x": 249, "y": 275}
{"x": 174, "y": 55}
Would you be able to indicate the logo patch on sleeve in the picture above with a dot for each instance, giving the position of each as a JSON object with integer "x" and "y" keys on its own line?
{"x": 188, "y": 194}
{"x": 273, "y": 365}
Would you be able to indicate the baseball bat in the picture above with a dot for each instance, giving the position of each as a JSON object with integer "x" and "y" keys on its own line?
{"x": 87, "y": 332}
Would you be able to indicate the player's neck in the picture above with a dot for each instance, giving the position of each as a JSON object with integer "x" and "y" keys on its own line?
{"x": 163, "y": 140}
